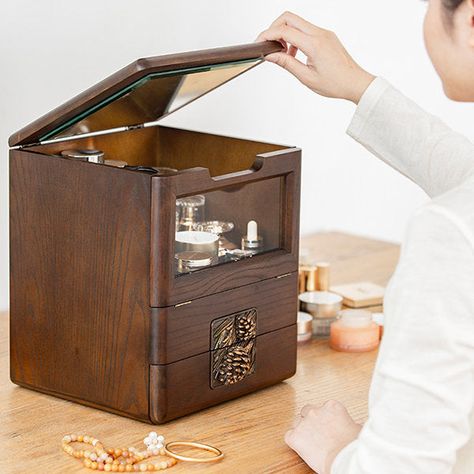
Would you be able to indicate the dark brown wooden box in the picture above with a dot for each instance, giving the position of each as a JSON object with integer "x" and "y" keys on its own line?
{"x": 98, "y": 314}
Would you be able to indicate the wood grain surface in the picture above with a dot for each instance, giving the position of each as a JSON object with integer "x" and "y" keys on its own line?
{"x": 79, "y": 264}
{"x": 249, "y": 430}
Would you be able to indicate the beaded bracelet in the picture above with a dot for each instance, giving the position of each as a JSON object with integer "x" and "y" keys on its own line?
{"x": 131, "y": 459}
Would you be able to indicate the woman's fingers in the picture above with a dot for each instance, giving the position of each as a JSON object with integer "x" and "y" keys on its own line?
{"x": 307, "y": 408}
{"x": 329, "y": 70}
{"x": 291, "y": 64}
{"x": 289, "y": 35}
{"x": 321, "y": 433}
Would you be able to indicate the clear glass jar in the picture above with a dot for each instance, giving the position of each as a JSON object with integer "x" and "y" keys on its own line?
{"x": 354, "y": 331}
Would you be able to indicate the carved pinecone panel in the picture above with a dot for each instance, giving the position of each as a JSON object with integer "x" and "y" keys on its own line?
{"x": 235, "y": 366}
{"x": 223, "y": 333}
{"x": 232, "y": 364}
{"x": 235, "y": 328}
{"x": 233, "y": 347}
{"x": 246, "y": 326}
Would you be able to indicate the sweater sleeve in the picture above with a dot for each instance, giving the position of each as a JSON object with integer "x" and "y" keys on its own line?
{"x": 422, "y": 391}
{"x": 410, "y": 140}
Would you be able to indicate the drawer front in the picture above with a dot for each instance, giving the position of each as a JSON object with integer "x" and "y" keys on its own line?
{"x": 186, "y": 330}
{"x": 193, "y": 203}
{"x": 187, "y": 386}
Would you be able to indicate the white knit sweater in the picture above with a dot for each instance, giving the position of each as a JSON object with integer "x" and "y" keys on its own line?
{"x": 421, "y": 402}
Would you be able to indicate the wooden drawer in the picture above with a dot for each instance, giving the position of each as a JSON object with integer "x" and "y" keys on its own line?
{"x": 183, "y": 387}
{"x": 184, "y": 331}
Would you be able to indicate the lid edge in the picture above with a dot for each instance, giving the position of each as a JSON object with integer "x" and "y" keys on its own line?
{"x": 141, "y": 67}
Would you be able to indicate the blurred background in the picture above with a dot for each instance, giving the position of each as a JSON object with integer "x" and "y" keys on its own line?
{"x": 52, "y": 50}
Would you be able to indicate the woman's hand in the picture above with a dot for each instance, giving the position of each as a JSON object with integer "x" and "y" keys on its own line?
{"x": 321, "y": 433}
{"x": 329, "y": 70}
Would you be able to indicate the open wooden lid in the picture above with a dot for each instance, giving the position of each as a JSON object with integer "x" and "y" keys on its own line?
{"x": 143, "y": 92}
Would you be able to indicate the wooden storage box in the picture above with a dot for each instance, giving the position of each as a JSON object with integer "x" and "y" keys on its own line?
{"x": 101, "y": 312}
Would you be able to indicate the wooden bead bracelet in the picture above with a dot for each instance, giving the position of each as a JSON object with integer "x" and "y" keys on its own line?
{"x": 131, "y": 459}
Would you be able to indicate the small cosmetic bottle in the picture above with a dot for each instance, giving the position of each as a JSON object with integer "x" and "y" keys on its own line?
{"x": 190, "y": 211}
{"x": 307, "y": 278}
{"x": 322, "y": 276}
{"x": 354, "y": 331}
{"x": 252, "y": 241}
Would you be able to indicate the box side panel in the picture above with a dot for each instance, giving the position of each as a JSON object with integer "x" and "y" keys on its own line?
{"x": 183, "y": 387}
{"x": 79, "y": 236}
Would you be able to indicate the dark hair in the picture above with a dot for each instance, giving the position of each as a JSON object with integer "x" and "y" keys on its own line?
{"x": 452, "y": 5}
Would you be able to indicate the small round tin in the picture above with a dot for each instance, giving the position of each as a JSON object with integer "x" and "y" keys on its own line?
{"x": 219, "y": 228}
{"x": 321, "y": 304}
{"x": 304, "y": 326}
{"x": 196, "y": 241}
{"x": 189, "y": 261}
{"x": 94, "y": 156}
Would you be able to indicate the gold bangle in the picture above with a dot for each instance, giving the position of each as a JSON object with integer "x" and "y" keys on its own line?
{"x": 219, "y": 454}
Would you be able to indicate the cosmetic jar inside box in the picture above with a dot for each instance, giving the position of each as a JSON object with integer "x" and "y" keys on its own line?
{"x": 146, "y": 321}
{"x": 197, "y": 241}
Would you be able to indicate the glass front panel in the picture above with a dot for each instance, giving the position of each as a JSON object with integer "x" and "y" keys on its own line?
{"x": 235, "y": 223}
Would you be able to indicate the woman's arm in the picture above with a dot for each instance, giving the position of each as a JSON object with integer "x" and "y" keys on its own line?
{"x": 423, "y": 386}
{"x": 420, "y": 146}
{"x": 387, "y": 123}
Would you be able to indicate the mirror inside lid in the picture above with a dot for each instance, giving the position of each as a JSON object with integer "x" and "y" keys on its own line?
{"x": 150, "y": 99}
{"x": 144, "y": 92}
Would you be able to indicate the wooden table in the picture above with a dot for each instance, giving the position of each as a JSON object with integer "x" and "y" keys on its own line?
{"x": 249, "y": 430}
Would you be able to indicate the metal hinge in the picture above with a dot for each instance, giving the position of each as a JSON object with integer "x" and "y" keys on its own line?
{"x": 182, "y": 304}
{"x": 135, "y": 127}
{"x": 284, "y": 276}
